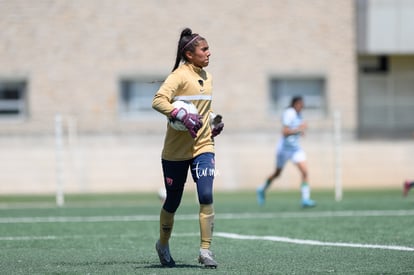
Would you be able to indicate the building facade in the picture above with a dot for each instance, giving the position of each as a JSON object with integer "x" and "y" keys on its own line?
{"x": 97, "y": 64}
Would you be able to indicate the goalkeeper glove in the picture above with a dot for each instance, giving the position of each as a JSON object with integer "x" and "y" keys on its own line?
{"x": 216, "y": 124}
{"x": 192, "y": 122}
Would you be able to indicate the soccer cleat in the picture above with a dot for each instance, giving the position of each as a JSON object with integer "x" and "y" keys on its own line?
{"x": 164, "y": 255}
{"x": 308, "y": 203}
{"x": 260, "y": 193}
{"x": 206, "y": 258}
{"x": 406, "y": 188}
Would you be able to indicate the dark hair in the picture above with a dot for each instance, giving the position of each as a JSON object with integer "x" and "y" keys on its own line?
{"x": 188, "y": 41}
{"x": 295, "y": 99}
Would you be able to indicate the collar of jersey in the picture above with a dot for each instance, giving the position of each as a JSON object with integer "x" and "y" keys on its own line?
{"x": 194, "y": 68}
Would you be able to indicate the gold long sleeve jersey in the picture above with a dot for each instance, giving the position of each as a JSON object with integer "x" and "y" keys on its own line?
{"x": 193, "y": 84}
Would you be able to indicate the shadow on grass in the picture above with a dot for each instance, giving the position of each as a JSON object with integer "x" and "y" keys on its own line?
{"x": 176, "y": 266}
{"x": 135, "y": 264}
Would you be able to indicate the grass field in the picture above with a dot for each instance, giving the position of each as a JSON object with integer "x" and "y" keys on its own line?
{"x": 369, "y": 232}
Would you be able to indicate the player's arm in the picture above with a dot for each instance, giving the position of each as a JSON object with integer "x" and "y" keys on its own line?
{"x": 288, "y": 119}
{"x": 287, "y": 131}
{"x": 163, "y": 97}
{"x": 161, "y": 103}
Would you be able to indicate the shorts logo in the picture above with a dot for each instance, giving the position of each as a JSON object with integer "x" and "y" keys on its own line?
{"x": 168, "y": 181}
{"x": 205, "y": 171}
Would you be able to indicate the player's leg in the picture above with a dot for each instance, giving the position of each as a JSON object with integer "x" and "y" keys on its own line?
{"x": 203, "y": 172}
{"x": 299, "y": 158}
{"x": 407, "y": 186}
{"x": 261, "y": 190}
{"x": 175, "y": 175}
{"x": 281, "y": 158}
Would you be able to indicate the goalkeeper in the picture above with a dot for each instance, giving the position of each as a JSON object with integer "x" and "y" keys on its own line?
{"x": 192, "y": 149}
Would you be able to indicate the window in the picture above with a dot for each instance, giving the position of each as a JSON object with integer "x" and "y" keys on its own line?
{"x": 386, "y": 97}
{"x": 136, "y": 96}
{"x": 312, "y": 89}
{"x": 13, "y": 99}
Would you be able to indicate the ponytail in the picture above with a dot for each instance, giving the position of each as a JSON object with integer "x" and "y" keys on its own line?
{"x": 187, "y": 42}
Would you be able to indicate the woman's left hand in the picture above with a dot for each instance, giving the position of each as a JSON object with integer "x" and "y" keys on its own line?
{"x": 217, "y": 129}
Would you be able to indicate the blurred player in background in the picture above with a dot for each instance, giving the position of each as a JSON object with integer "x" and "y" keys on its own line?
{"x": 192, "y": 149}
{"x": 407, "y": 186}
{"x": 289, "y": 149}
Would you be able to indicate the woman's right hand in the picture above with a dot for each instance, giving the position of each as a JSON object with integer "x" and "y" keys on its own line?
{"x": 192, "y": 122}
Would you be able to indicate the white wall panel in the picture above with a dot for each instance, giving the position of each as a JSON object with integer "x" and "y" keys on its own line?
{"x": 385, "y": 26}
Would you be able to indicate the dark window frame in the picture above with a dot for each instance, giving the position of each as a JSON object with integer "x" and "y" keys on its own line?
{"x": 283, "y": 87}
{"x": 13, "y": 99}
{"x": 135, "y": 96}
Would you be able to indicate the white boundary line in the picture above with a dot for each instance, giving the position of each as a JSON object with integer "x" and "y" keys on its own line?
{"x": 224, "y": 216}
{"x": 310, "y": 242}
{"x": 28, "y": 238}
{"x": 50, "y": 237}
{"x": 236, "y": 237}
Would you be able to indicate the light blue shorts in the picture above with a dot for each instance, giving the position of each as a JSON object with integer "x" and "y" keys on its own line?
{"x": 284, "y": 155}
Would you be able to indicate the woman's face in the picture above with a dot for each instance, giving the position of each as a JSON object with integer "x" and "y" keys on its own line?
{"x": 201, "y": 55}
{"x": 299, "y": 106}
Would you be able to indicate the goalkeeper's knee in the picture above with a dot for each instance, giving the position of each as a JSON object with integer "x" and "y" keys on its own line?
{"x": 173, "y": 200}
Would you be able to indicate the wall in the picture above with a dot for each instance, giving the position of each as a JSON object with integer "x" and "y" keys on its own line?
{"x": 243, "y": 161}
{"x": 74, "y": 52}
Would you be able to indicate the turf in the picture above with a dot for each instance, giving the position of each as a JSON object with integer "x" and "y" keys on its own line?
{"x": 116, "y": 233}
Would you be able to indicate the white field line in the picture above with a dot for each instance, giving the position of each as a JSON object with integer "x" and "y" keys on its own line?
{"x": 224, "y": 216}
{"x": 230, "y": 236}
{"x": 28, "y": 238}
{"x": 80, "y": 219}
{"x": 310, "y": 242}
{"x": 51, "y": 237}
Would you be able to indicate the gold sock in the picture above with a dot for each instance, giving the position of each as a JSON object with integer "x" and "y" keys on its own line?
{"x": 206, "y": 225}
{"x": 166, "y": 226}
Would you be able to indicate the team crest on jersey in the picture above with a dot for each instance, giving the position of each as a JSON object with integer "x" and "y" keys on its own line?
{"x": 201, "y": 82}
{"x": 169, "y": 181}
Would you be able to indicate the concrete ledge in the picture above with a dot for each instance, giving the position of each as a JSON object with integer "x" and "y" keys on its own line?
{"x": 243, "y": 160}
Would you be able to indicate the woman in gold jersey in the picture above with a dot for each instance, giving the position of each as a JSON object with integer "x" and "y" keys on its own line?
{"x": 192, "y": 149}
